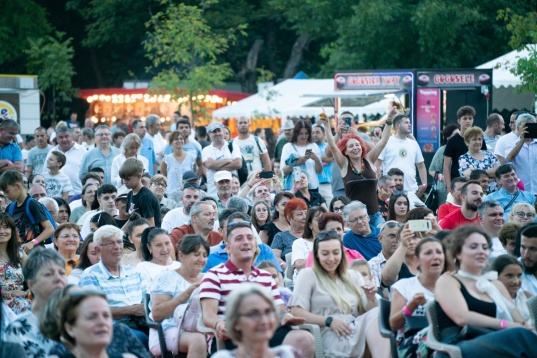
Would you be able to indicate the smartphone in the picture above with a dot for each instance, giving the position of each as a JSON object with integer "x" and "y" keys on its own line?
{"x": 309, "y": 151}
{"x": 296, "y": 173}
{"x": 419, "y": 225}
{"x": 531, "y": 128}
{"x": 266, "y": 175}
{"x": 348, "y": 122}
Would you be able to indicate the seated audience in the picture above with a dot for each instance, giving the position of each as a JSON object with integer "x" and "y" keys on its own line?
{"x": 302, "y": 192}
{"x": 385, "y": 188}
{"x": 44, "y": 272}
{"x": 508, "y": 235}
{"x": 279, "y": 222}
{"x": 269, "y": 266}
{"x": 461, "y": 303}
{"x": 455, "y": 191}
{"x": 295, "y": 213}
{"x": 8, "y": 350}
{"x": 522, "y": 213}
{"x": 491, "y": 219}
{"x": 528, "y": 257}
{"x": 158, "y": 254}
{"x": 88, "y": 196}
{"x": 389, "y": 238}
{"x": 181, "y": 216}
{"x": 246, "y": 310}
{"x": 88, "y": 256}
{"x": 171, "y": 294}
{"x": 338, "y": 204}
{"x": 409, "y": 296}
{"x": 338, "y": 300}
{"x": 362, "y": 237}
{"x": 471, "y": 198}
{"x": 483, "y": 178}
{"x": 64, "y": 211}
{"x": 67, "y": 241}
{"x": 403, "y": 263}
{"x": 260, "y": 214}
{"x": 398, "y": 206}
{"x": 101, "y": 219}
{"x": 157, "y": 185}
{"x": 424, "y": 214}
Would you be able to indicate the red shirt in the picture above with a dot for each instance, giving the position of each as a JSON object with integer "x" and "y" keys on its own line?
{"x": 445, "y": 209}
{"x": 456, "y": 219}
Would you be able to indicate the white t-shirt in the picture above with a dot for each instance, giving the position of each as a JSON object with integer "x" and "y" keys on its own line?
{"x": 300, "y": 251}
{"x": 250, "y": 152}
{"x": 290, "y": 148}
{"x": 158, "y": 145}
{"x": 503, "y": 143}
{"x": 149, "y": 270}
{"x": 73, "y": 165}
{"x": 56, "y": 185}
{"x": 174, "y": 218}
{"x": 118, "y": 161}
{"x": 212, "y": 152}
{"x": 403, "y": 154}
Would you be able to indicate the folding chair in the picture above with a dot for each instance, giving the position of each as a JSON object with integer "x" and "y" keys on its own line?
{"x": 384, "y": 325}
{"x": 532, "y": 305}
{"x": 433, "y": 334}
{"x": 288, "y": 279}
{"x": 158, "y": 326}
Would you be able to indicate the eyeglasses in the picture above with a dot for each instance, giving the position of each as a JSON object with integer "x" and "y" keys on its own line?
{"x": 191, "y": 185}
{"x": 399, "y": 192}
{"x": 339, "y": 208}
{"x": 257, "y": 315}
{"x": 162, "y": 185}
{"x": 113, "y": 243}
{"x": 103, "y": 135}
{"x": 359, "y": 218}
{"x": 522, "y": 214}
{"x": 66, "y": 236}
{"x": 327, "y": 235}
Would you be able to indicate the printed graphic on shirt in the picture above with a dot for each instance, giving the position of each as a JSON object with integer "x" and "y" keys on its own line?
{"x": 403, "y": 153}
{"x": 53, "y": 187}
{"x": 247, "y": 152}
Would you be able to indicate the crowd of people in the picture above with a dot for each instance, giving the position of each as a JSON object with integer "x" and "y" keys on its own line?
{"x": 256, "y": 234}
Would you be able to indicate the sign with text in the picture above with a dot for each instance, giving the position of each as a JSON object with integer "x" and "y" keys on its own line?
{"x": 373, "y": 81}
{"x": 428, "y": 119}
{"x": 453, "y": 78}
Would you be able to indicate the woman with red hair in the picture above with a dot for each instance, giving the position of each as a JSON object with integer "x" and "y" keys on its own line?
{"x": 357, "y": 164}
{"x": 295, "y": 213}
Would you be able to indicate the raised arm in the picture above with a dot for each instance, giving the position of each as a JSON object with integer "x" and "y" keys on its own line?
{"x": 374, "y": 153}
{"x": 338, "y": 156}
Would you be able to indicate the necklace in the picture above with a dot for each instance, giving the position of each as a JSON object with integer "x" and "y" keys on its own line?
{"x": 356, "y": 171}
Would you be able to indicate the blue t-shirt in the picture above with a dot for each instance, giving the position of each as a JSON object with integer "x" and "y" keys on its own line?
{"x": 325, "y": 177}
{"x": 12, "y": 152}
{"x": 369, "y": 246}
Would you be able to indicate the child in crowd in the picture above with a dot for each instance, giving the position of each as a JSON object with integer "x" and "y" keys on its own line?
{"x": 268, "y": 266}
{"x": 363, "y": 267}
{"x": 140, "y": 199}
{"x": 57, "y": 184}
{"x": 30, "y": 233}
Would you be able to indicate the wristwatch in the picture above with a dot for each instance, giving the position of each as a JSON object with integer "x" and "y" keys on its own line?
{"x": 328, "y": 321}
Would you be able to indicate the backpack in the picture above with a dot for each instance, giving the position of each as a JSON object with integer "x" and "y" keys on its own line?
{"x": 37, "y": 228}
{"x": 242, "y": 173}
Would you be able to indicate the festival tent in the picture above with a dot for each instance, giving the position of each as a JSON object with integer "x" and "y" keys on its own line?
{"x": 302, "y": 97}
{"x": 505, "y": 96}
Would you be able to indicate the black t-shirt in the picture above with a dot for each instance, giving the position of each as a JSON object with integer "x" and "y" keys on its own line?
{"x": 316, "y": 199}
{"x": 27, "y": 230}
{"x": 456, "y": 147}
{"x": 144, "y": 203}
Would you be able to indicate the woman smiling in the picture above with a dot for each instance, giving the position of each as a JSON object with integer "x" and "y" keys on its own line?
{"x": 157, "y": 249}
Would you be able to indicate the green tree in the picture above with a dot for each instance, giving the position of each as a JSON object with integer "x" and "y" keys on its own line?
{"x": 523, "y": 31}
{"x": 50, "y": 57}
{"x": 184, "y": 52}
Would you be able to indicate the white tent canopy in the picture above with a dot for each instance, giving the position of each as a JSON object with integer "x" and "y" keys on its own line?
{"x": 293, "y": 97}
{"x": 504, "y": 81}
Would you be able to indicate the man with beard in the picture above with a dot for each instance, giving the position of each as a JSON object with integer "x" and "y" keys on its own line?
{"x": 362, "y": 237}
{"x": 253, "y": 150}
{"x": 217, "y": 156}
{"x": 181, "y": 216}
{"x": 399, "y": 181}
{"x": 202, "y": 218}
{"x": 491, "y": 218}
{"x": 222, "y": 179}
{"x": 528, "y": 257}
{"x": 471, "y": 197}
{"x": 404, "y": 153}
{"x": 509, "y": 194}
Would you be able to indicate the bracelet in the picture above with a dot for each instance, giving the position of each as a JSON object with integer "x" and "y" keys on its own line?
{"x": 406, "y": 311}
{"x": 35, "y": 242}
{"x": 503, "y": 324}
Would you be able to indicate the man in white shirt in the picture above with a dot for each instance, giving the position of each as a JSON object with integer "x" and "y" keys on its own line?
{"x": 405, "y": 154}
{"x": 253, "y": 149}
{"x": 153, "y": 132}
{"x": 500, "y": 151}
{"x": 217, "y": 156}
{"x": 181, "y": 216}
{"x": 491, "y": 219}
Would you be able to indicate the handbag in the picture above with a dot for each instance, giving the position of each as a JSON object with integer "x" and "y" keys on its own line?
{"x": 187, "y": 317}
{"x": 414, "y": 324}
{"x": 470, "y": 332}
{"x": 432, "y": 199}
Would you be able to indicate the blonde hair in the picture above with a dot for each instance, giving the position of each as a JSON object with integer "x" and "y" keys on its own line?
{"x": 519, "y": 206}
{"x": 129, "y": 139}
{"x": 471, "y": 133}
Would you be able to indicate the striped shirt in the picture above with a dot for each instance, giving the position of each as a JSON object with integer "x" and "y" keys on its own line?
{"x": 126, "y": 290}
{"x": 219, "y": 281}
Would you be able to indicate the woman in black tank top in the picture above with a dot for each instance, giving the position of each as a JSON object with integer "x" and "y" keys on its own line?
{"x": 357, "y": 163}
{"x": 467, "y": 298}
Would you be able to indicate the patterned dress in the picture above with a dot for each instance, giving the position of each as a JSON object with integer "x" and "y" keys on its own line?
{"x": 489, "y": 161}
{"x": 12, "y": 279}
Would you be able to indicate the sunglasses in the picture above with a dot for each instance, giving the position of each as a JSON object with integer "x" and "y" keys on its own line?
{"x": 399, "y": 192}
{"x": 191, "y": 185}
{"x": 389, "y": 225}
{"x": 327, "y": 235}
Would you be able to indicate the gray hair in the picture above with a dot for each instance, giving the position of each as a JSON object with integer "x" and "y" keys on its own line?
{"x": 46, "y": 201}
{"x": 524, "y": 118}
{"x": 9, "y": 123}
{"x": 195, "y": 210}
{"x": 62, "y": 129}
{"x": 106, "y": 232}
{"x": 38, "y": 258}
{"x": 151, "y": 119}
{"x": 238, "y": 204}
{"x": 129, "y": 139}
{"x": 485, "y": 205}
{"x": 383, "y": 179}
{"x": 353, "y": 205}
{"x": 102, "y": 126}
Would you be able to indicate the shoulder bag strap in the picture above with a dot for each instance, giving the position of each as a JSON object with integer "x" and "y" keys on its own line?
{"x": 512, "y": 200}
